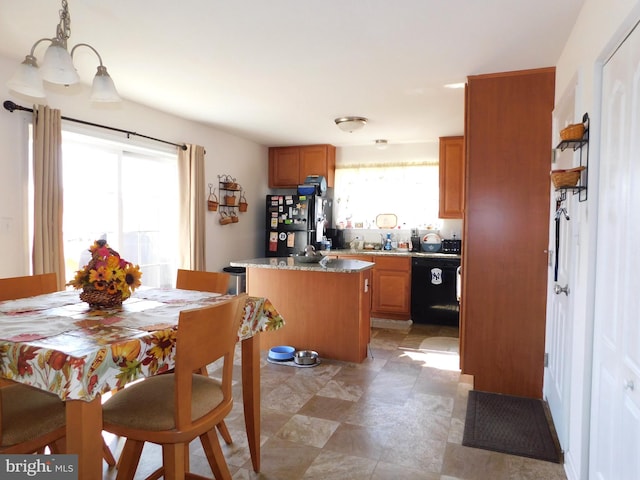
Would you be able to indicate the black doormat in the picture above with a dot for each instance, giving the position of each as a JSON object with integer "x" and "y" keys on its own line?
{"x": 509, "y": 424}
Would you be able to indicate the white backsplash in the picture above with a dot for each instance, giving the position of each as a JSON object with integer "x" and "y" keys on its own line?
{"x": 448, "y": 229}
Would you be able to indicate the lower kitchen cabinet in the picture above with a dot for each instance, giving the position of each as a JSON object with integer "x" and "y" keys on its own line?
{"x": 392, "y": 288}
{"x": 390, "y": 285}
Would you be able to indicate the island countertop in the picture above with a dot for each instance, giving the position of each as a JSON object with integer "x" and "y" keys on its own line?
{"x": 331, "y": 265}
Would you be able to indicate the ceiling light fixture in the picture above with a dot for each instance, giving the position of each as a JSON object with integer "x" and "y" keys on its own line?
{"x": 350, "y": 124}
{"x": 381, "y": 144}
{"x": 57, "y": 67}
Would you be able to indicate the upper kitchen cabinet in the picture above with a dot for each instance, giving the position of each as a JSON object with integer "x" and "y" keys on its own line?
{"x": 506, "y": 230}
{"x": 289, "y": 166}
{"x": 451, "y": 165}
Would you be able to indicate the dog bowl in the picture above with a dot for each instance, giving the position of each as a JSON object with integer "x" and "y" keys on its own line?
{"x": 305, "y": 357}
{"x": 282, "y": 353}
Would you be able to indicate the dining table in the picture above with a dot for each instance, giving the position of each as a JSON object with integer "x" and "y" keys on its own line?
{"x": 58, "y": 343}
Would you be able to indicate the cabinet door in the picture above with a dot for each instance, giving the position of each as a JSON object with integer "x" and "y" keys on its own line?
{"x": 284, "y": 167}
{"x": 451, "y": 166}
{"x": 506, "y": 230}
{"x": 391, "y": 287}
{"x": 318, "y": 160}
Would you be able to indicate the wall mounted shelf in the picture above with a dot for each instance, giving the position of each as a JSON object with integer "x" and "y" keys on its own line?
{"x": 582, "y": 145}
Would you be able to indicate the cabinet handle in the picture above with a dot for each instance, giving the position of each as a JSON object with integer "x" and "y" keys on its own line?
{"x": 628, "y": 385}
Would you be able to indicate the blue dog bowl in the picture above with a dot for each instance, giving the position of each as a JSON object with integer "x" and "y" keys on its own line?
{"x": 281, "y": 353}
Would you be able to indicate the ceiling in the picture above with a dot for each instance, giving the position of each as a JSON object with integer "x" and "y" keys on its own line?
{"x": 280, "y": 71}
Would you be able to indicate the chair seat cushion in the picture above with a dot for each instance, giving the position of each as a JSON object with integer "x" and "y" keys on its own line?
{"x": 150, "y": 404}
{"x": 28, "y": 412}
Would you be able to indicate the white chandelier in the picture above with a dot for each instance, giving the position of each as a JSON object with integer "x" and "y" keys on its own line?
{"x": 58, "y": 68}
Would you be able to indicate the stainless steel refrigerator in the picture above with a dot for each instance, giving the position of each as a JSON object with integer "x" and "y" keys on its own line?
{"x": 295, "y": 221}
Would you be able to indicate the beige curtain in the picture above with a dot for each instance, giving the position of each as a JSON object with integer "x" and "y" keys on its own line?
{"x": 48, "y": 251}
{"x": 191, "y": 236}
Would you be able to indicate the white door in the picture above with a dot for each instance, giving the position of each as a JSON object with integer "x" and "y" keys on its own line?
{"x": 615, "y": 418}
{"x": 559, "y": 316}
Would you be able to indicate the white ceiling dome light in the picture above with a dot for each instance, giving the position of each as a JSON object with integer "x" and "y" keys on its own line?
{"x": 350, "y": 124}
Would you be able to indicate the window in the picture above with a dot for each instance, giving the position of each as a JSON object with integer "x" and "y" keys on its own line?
{"x": 127, "y": 195}
{"x": 408, "y": 190}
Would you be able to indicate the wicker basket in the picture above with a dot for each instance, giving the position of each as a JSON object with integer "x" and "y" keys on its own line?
{"x": 572, "y": 132}
{"x": 225, "y": 219}
{"x": 100, "y": 299}
{"x": 566, "y": 178}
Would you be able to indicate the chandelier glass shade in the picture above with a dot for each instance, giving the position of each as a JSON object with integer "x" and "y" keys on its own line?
{"x": 58, "y": 68}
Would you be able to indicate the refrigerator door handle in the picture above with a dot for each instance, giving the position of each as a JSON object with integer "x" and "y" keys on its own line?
{"x": 458, "y": 283}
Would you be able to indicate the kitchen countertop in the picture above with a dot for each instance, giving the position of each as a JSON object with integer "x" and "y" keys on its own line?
{"x": 393, "y": 253}
{"x": 332, "y": 265}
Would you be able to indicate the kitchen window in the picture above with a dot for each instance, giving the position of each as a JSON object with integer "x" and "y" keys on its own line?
{"x": 126, "y": 194}
{"x": 409, "y": 190}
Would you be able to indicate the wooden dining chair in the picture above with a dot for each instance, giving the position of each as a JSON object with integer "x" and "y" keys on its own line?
{"x": 31, "y": 419}
{"x": 28, "y": 286}
{"x": 21, "y": 397}
{"x": 215, "y": 282}
{"x": 175, "y": 408}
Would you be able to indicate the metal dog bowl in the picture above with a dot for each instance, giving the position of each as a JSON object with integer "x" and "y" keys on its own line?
{"x": 305, "y": 357}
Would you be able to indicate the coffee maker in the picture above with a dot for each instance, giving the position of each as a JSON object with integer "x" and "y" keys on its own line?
{"x": 336, "y": 236}
{"x": 415, "y": 240}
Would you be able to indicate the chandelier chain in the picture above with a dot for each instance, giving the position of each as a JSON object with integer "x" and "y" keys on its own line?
{"x": 63, "y": 31}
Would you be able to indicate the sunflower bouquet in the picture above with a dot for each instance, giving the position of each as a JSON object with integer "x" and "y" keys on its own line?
{"x": 107, "y": 280}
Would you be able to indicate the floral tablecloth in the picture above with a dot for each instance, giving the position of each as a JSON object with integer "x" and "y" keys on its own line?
{"x": 57, "y": 343}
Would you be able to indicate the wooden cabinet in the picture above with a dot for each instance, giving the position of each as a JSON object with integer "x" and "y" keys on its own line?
{"x": 324, "y": 311}
{"x": 451, "y": 165}
{"x": 289, "y": 166}
{"x": 391, "y": 288}
{"x": 390, "y": 285}
{"x": 506, "y": 230}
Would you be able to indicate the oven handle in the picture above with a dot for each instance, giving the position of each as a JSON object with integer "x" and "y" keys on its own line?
{"x": 458, "y": 283}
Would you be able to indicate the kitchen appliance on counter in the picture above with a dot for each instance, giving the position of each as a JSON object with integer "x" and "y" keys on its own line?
{"x": 336, "y": 236}
{"x": 435, "y": 292}
{"x": 453, "y": 245}
{"x": 415, "y": 240}
{"x": 299, "y": 219}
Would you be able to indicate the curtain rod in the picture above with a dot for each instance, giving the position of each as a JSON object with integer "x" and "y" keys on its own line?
{"x": 9, "y": 105}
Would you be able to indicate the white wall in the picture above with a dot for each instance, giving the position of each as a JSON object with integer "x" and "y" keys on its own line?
{"x": 226, "y": 154}
{"x": 601, "y": 25}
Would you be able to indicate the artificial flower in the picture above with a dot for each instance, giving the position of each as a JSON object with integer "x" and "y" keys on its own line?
{"x": 107, "y": 272}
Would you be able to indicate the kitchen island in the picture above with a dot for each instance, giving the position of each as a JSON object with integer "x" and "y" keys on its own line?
{"x": 326, "y": 306}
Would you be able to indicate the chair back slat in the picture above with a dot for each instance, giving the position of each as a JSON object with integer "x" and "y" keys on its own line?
{"x": 28, "y": 286}
{"x": 216, "y": 282}
{"x": 205, "y": 335}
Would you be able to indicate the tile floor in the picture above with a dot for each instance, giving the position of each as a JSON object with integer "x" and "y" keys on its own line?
{"x": 398, "y": 415}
